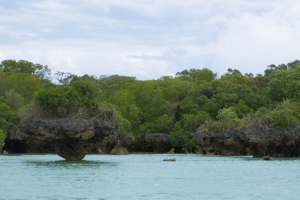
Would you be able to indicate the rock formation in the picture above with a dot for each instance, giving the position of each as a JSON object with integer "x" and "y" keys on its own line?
{"x": 1, "y": 146}
{"x": 119, "y": 150}
{"x": 185, "y": 151}
{"x": 71, "y": 139}
{"x": 172, "y": 151}
{"x": 274, "y": 142}
{"x": 160, "y": 142}
{"x": 268, "y": 158}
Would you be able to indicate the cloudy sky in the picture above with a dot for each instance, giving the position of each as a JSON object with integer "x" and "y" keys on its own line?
{"x": 150, "y": 38}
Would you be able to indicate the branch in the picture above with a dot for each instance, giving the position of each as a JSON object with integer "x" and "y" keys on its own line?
{"x": 268, "y": 117}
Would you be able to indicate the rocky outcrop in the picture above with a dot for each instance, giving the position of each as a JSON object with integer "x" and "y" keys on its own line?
{"x": 268, "y": 158}
{"x": 71, "y": 139}
{"x": 119, "y": 150}
{"x": 172, "y": 151}
{"x": 185, "y": 151}
{"x": 274, "y": 142}
{"x": 160, "y": 142}
{"x": 109, "y": 142}
{"x": 1, "y": 147}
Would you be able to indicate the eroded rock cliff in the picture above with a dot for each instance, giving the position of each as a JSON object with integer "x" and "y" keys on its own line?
{"x": 71, "y": 139}
{"x": 272, "y": 142}
{"x": 160, "y": 142}
{"x": 1, "y": 146}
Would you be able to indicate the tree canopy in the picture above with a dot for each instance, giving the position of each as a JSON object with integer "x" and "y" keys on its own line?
{"x": 195, "y": 99}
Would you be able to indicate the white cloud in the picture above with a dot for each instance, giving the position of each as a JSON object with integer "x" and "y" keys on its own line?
{"x": 149, "y": 39}
{"x": 251, "y": 42}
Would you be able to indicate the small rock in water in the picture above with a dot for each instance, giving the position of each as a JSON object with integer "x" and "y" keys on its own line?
{"x": 268, "y": 158}
{"x": 5, "y": 152}
{"x": 170, "y": 159}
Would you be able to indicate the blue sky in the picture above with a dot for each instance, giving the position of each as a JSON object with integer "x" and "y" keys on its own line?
{"x": 150, "y": 38}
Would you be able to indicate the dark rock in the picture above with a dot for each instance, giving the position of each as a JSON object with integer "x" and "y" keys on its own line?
{"x": 268, "y": 158}
{"x": 160, "y": 142}
{"x": 70, "y": 139}
{"x": 274, "y": 142}
{"x": 103, "y": 146}
{"x": 1, "y": 146}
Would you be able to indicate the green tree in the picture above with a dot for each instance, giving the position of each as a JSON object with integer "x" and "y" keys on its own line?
{"x": 2, "y": 137}
{"x": 199, "y": 74}
{"x": 276, "y": 90}
{"x": 13, "y": 99}
{"x": 24, "y": 84}
{"x": 23, "y": 66}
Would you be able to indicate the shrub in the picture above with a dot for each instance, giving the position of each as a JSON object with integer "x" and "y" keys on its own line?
{"x": 227, "y": 120}
{"x": 181, "y": 138}
{"x": 2, "y": 137}
{"x": 285, "y": 115}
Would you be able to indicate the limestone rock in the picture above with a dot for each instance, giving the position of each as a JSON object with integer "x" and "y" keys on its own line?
{"x": 172, "y": 151}
{"x": 119, "y": 150}
{"x": 185, "y": 151}
{"x": 5, "y": 152}
{"x": 268, "y": 158}
{"x": 71, "y": 139}
{"x": 160, "y": 142}
{"x": 1, "y": 146}
{"x": 99, "y": 151}
{"x": 274, "y": 142}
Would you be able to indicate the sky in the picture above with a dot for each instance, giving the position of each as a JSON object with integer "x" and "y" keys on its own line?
{"x": 150, "y": 38}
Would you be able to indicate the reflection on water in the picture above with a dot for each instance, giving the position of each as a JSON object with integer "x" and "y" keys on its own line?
{"x": 70, "y": 164}
{"x": 146, "y": 176}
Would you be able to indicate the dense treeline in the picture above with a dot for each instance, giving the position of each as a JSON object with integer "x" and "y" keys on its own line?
{"x": 193, "y": 99}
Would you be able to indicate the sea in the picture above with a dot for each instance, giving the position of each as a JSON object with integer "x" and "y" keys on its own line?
{"x": 147, "y": 176}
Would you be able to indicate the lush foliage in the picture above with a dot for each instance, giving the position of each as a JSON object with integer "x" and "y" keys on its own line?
{"x": 2, "y": 137}
{"x": 195, "y": 99}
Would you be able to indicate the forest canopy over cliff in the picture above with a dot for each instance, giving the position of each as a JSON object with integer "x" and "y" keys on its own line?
{"x": 193, "y": 100}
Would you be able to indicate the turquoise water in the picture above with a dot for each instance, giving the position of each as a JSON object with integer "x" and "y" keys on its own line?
{"x": 146, "y": 176}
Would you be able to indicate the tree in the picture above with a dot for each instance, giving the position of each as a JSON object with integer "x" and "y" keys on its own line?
{"x": 248, "y": 75}
{"x": 7, "y": 117}
{"x": 199, "y": 74}
{"x": 13, "y": 99}
{"x": 2, "y": 137}
{"x": 23, "y": 66}
{"x": 293, "y": 65}
{"x": 276, "y": 90}
{"x": 64, "y": 78}
{"x": 24, "y": 84}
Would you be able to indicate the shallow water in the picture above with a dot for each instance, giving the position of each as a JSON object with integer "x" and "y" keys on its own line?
{"x": 146, "y": 176}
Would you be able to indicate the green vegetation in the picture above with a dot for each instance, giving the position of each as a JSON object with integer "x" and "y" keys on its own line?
{"x": 195, "y": 99}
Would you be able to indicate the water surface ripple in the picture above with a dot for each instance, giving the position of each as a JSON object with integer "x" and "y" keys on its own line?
{"x": 146, "y": 176}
